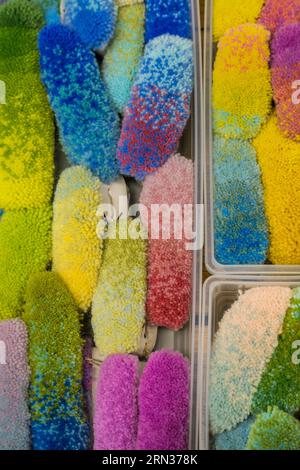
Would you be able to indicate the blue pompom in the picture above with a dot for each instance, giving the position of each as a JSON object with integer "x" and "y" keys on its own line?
{"x": 168, "y": 17}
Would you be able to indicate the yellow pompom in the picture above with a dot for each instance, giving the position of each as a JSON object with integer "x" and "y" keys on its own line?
{"x": 77, "y": 250}
{"x": 279, "y": 159}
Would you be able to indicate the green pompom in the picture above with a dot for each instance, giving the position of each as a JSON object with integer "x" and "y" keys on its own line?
{"x": 21, "y": 13}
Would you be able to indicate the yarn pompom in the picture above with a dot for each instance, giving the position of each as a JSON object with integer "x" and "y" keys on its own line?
{"x": 116, "y": 413}
{"x": 240, "y": 225}
{"x": 123, "y": 54}
{"x": 77, "y": 250}
{"x": 244, "y": 344}
{"x": 58, "y": 418}
{"x": 21, "y": 13}
{"x": 93, "y": 21}
{"x": 118, "y": 312}
{"x": 280, "y": 382}
{"x": 279, "y": 160}
{"x": 235, "y": 439}
{"x": 159, "y": 106}
{"x": 278, "y": 13}
{"x": 231, "y": 13}
{"x": 274, "y": 430}
{"x": 168, "y": 17}
{"x": 286, "y": 72}
{"x": 25, "y": 247}
{"x": 14, "y": 381}
{"x": 164, "y": 403}
{"x": 48, "y": 7}
{"x": 169, "y": 259}
{"x": 89, "y": 127}
{"x": 242, "y": 92}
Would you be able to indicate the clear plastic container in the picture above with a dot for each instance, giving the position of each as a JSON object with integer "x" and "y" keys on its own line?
{"x": 218, "y": 296}
{"x": 213, "y": 266}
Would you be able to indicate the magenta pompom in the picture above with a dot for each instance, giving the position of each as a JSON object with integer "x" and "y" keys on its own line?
{"x": 164, "y": 403}
{"x": 278, "y": 13}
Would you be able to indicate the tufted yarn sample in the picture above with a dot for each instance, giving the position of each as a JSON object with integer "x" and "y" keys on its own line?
{"x": 159, "y": 106}
{"x": 242, "y": 93}
{"x": 278, "y": 13}
{"x": 237, "y": 438}
{"x": 25, "y": 247}
{"x": 116, "y": 413}
{"x": 121, "y": 60}
{"x": 279, "y": 160}
{"x": 243, "y": 345}
{"x": 240, "y": 225}
{"x": 14, "y": 381}
{"x": 168, "y": 17}
{"x": 169, "y": 260}
{"x": 58, "y": 417}
{"x": 164, "y": 403}
{"x": 77, "y": 250}
{"x": 89, "y": 127}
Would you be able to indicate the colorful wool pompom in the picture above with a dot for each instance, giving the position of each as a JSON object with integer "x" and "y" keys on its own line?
{"x": 116, "y": 413}
{"x": 123, "y": 54}
{"x": 168, "y": 17}
{"x": 77, "y": 249}
{"x": 159, "y": 106}
{"x": 169, "y": 259}
{"x": 57, "y": 406}
{"x": 278, "y": 13}
{"x": 14, "y": 382}
{"x": 164, "y": 397}
{"x": 279, "y": 161}
{"x": 27, "y": 128}
{"x": 285, "y": 74}
{"x": 240, "y": 225}
{"x": 94, "y": 21}
{"x": 89, "y": 127}
{"x": 280, "y": 382}
{"x": 25, "y": 247}
{"x": 274, "y": 430}
{"x": 231, "y": 13}
{"x": 118, "y": 312}
{"x": 242, "y": 92}
{"x": 237, "y": 438}
{"x": 244, "y": 344}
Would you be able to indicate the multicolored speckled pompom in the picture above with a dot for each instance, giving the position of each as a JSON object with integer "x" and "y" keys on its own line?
{"x": 89, "y": 127}
{"x": 25, "y": 249}
{"x": 242, "y": 92}
{"x": 285, "y": 78}
{"x": 168, "y": 17}
{"x": 14, "y": 382}
{"x": 274, "y": 430}
{"x": 159, "y": 106}
{"x": 237, "y": 438}
{"x": 279, "y": 160}
{"x": 58, "y": 414}
{"x": 123, "y": 54}
{"x": 278, "y": 13}
{"x": 77, "y": 250}
{"x": 240, "y": 225}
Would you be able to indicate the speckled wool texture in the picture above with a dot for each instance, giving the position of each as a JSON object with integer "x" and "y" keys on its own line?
{"x": 123, "y": 55}
{"x": 279, "y": 161}
{"x": 285, "y": 72}
{"x": 231, "y": 13}
{"x": 168, "y": 17}
{"x": 159, "y": 106}
{"x": 27, "y": 129}
{"x": 57, "y": 406}
{"x": 118, "y": 310}
{"x": 93, "y": 20}
{"x": 242, "y": 92}
{"x": 89, "y": 127}
{"x": 25, "y": 248}
{"x": 274, "y": 430}
{"x": 240, "y": 224}
{"x": 237, "y": 438}
{"x": 77, "y": 249}
{"x": 116, "y": 413}
{"x": 243, "y": 345}
{"x": 14, "y": 381}
{"x": 280, "y": 381}
{"x": 278, "y": 13}
{"x": 164, "y": 403}
{"x": 169, "y": 260}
